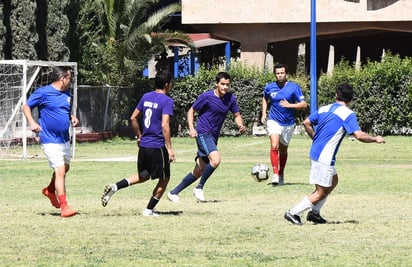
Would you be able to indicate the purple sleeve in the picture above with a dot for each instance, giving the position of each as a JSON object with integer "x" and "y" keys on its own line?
{"x": 199, "y": 102}
{"x": 168, "y": 109}
{"x": 234, "y": 108}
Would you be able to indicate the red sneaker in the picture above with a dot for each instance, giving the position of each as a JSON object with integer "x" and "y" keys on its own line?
{"x": 67, "y": 212}
{"x": 52, "y": 196}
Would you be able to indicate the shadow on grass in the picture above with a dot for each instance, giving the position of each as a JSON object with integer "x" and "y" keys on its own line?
{"x": 344, "y": 222}
{"x": 49, "y": 214}
{"x": 57, "y": 214}
{"x": 172, "y": 213}
{"x": 338, "y": 222}
{"x": 286, "y": 184}
{"x": 209, "y": 201}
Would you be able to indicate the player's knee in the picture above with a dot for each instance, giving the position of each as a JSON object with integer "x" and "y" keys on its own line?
{"x": 144, "y": 174}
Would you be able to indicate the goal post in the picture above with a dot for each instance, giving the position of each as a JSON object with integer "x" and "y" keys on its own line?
{"x": 18, "y": 79}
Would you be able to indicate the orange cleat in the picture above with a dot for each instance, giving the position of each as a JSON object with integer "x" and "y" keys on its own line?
{"x": 67, "y": 212}
{"x": 52, "y": 196}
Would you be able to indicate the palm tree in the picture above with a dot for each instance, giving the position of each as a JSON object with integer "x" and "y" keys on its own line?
{"x": 135, "y": 29}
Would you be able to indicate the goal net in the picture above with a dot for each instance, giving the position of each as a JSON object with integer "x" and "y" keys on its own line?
{"x": 18, "y": 79}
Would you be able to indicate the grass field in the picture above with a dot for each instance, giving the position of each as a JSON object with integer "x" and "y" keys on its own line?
{"x": 242, "y": 224}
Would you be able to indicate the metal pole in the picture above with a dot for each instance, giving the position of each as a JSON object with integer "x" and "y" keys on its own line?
{"x": 176, "y": 62}
{"x": 313, "y": 74}
{"x": 227, "y": 55}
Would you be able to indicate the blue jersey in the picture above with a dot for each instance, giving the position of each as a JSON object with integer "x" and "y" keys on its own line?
{"x": 212, "y": 111}
{"x": 54, "y": 108}
{"x": 153, "y": 105}
{"x": 331, "y": 123}
{"x": 291, "y": 92}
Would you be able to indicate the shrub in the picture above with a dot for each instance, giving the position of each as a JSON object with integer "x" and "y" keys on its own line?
{"x": 247, "y": 83}
{"x": 383, "y": 90}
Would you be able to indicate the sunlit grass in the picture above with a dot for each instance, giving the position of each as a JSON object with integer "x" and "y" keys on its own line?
{"x": 241, "y": 225}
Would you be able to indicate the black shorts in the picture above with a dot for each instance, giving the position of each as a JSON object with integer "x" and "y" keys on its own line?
{"x": 155, "y": 161}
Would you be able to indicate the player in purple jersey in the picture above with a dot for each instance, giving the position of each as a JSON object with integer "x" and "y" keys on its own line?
{"x": 283, "y": 97}
{"x": 54, "y": 106}
{"x": 154, "y": 141}
{"x": 327, "y": 127}
{"x": 212, "y": 108}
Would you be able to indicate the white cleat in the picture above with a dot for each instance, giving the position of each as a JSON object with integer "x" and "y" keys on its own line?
{"x": 198, "y": 193}
{"x": 172, "y": 197}
{"x": 150, "y": 213}
{"x": 108, "y": 192}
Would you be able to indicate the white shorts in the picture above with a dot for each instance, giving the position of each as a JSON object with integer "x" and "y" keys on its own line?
{"x": 57, "y": 154}
{"x": 321, "y": 174}
{"x": 285, "y": 132}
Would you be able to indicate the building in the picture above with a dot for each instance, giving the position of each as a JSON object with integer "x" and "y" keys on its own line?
{"x": 345, "y": 28}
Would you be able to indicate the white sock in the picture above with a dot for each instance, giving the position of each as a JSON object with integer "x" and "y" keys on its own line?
{"x": 305, "y": 204}
{"x": 316, "y": 208}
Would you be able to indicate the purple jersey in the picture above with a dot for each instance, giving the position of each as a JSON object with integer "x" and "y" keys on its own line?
{"x": 212, "y": 111}
{"x": 153, "y": 105}
{"x": 291, "y": 92}
{"x": 54, "y": 108}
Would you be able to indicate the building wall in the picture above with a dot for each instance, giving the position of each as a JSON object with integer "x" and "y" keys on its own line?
{"x": 293, "y": 11}
{"x": 283, "y": 25}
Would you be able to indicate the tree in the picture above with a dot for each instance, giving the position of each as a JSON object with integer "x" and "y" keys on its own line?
{"x": 56, "y": 30}
{"x": 23, "y": 29}
{"x": 125, "y": 34}
{"x": 97, "y": 57}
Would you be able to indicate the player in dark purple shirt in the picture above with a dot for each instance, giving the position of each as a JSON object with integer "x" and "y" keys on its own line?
{"x": 212, "y": 108}
{"x": 154, "y": 141}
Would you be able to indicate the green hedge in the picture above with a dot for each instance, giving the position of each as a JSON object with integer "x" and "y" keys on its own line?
{"x": 246, "y": 83}
{"x": 383, "y": 94}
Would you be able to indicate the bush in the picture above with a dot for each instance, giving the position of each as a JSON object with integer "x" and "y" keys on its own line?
{"x": 383, "y": 90}
{"x": 247, "y": 83}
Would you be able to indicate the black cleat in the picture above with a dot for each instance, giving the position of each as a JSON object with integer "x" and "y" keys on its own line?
{"x": 315, "y": 218}
{"x": 295, "y": 219}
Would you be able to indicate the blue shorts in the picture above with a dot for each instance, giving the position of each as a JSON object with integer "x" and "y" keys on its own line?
{"x": 206, "y": 144}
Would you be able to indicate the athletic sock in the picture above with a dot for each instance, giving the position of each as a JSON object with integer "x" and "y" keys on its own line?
{"x": 282, "y": 162}
{"x": 122, "y": 184}
{"x": 62, "y": 201}
{"x": 152, "y": 203}
{"x": 274, "y": 158}
{"x": 303, "y": 205}
{"x": 316, "y": 208}
{"x": 188, "y": 180}
{"x": 207, "y": 172}
{"x": 51, "y": 187}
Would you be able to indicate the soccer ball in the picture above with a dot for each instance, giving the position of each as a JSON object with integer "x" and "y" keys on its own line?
{"x": 260, "y": 172}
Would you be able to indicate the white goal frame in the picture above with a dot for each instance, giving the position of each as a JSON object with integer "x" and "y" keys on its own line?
{"x": 27, "y": 84}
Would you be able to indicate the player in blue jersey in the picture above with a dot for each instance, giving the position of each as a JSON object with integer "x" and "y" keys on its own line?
{"x": 284, "y": 98}
{"x": 54, "y": 106}
{"x": 327, "y": 127}
{"x": 154, "y": 141}
{"x": 212, "y": 107}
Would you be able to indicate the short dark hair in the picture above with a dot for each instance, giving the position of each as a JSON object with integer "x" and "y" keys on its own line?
{"x": 222, "y": 75}
{"x": 162, "y": 78}
{"x": 60, "y": 71}
{"x": 344, "y": 92}
{"x": 279, "y": 66}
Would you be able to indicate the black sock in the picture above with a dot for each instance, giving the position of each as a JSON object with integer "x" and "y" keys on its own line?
{"x": 122, "y": 184}
{"x": 152, "y": 203}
